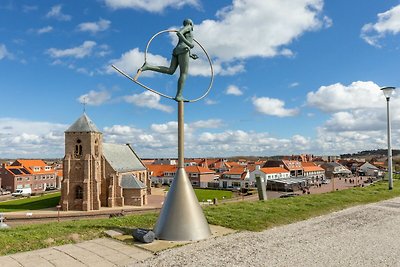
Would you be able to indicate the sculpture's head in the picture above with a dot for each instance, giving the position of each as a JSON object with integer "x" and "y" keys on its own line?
{"x": 188, "y": 22}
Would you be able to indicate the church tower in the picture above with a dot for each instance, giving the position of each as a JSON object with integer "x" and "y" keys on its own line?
{"x": 81, "y": 186}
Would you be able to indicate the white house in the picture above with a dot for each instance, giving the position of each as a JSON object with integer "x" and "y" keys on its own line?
{"x": 369, "y": 170}
{"x": 235, "y": 177}
{"x": 268, "y": 173}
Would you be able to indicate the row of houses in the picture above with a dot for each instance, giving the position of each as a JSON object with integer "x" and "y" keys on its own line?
{"x": 279, "y": 174}
{"x": 30, "y": 173}
{"x": 203, "y": 173}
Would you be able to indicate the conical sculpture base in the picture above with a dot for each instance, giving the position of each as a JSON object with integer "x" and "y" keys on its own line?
{"x": 181, "y": 217}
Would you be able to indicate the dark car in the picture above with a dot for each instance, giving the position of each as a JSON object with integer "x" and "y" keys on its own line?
{"x": 289, "y": 195}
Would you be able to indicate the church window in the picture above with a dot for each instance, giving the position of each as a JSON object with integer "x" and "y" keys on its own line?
{"x": 96, "y": 147}
{"x": 78, "y": 148}
{"x": 78, "y": 192}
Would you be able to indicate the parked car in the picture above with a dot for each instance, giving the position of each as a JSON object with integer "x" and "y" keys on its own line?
{"x": 24, "y": 192}
{"x": 289, "y": 195}
{"x": 49, "y": 188}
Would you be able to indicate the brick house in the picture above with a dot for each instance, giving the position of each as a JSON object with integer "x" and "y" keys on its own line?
{"x": 164, "y": 174}
{"x": 28, "y": 173}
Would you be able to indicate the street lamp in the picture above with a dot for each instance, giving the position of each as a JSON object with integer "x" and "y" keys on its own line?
{"x": 388, "y": 92}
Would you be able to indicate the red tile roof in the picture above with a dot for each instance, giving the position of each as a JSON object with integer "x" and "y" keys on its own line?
{"x": 159, "y": 170}
{"x": 30, "y": 164}
{"x": 311, "y": 167}
{"x": 271, "y": 170}
{"x": 236, "y": 170}
{"x": 198, "y": 169}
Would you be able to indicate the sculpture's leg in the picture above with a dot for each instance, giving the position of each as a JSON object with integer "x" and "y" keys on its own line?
{"x": 167, "y": 70}
{"x": 183, "y": 61}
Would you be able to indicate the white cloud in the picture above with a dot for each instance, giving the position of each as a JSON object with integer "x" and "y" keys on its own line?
{"x": 121, "y": 130}
{"x": 4, "y": 52}
{"x": 206, "y": 124}
{"x": 160, "y": 140}
{"x": 21, "y": 138}
{"x": 94, "y": 27}
{"x": 210, "y": 102}
{"x": 294, "y": 84}
{"x": 151, "y": 5}
{"x": 165, "y": 128}
{"x": 337, "y": 97}
{"x": 94, "y": 98}
{"x": 233, "y": 90}
{"x": 273, "y": 107}
{"x": 358, "y": 117}
{"x": 46, "y": 29}
{"x": 328, "y": 142}
{"x": 81, "y": 51}
{"x": 268, "y": 25}
{"x": 148, "y": 100}
{"x": 132, "y": 60}
{"x": 388, "y": 23}
{"x": 56, "y": 13}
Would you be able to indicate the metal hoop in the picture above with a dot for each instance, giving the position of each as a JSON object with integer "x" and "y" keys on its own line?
{"x": 164, "y": 95}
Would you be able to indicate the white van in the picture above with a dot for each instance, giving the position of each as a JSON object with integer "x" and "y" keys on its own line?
{"x": 25, "y": 192}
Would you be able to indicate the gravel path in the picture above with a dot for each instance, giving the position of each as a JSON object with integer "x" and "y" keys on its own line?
{"x": 366, "y": 235}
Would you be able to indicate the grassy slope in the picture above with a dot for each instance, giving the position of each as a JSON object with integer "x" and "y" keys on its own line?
{"x": 32, "y": 203}
{"x": 31, "y": 237}
{"x": 51, "y": 200}
{"x": 257, "y": 216}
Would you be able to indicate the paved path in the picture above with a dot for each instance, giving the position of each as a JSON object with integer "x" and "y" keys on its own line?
{"x": 98, "y": 252}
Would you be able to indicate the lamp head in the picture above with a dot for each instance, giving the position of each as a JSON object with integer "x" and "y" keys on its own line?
{"x": 388, "y": 91}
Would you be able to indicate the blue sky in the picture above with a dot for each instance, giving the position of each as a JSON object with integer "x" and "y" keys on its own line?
{"x": 290, "y": 76}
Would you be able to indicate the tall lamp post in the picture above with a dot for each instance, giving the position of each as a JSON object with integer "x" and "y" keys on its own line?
{"x": 388, "y": 91}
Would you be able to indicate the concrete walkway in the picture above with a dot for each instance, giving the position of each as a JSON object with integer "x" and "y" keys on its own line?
{"x": 98, "y": 252}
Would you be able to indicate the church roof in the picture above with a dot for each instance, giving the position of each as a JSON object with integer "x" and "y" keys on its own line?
{"x": 122, "y": 158}
{"x": 129, "y": 181}
{"x": 83, "y": 124}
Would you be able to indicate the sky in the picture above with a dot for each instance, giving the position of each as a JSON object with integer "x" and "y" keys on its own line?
{"x": 290, "y": 77}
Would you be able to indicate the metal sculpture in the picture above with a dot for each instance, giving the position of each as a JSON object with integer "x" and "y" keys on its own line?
{"x": 181, "y": 217}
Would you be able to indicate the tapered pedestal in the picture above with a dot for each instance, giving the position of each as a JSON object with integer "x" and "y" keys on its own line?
{"x": 181, "y": 217}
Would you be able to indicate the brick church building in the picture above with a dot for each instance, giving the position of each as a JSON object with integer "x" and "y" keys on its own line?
{"x": 98, "y": 174}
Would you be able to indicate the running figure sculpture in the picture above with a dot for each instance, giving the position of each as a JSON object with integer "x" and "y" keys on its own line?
{"x": 180, "y": 56}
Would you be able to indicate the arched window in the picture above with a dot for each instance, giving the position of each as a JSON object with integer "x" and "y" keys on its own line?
{"x": 78, "y": 192}
{"x": 78, "y": 148}
{"x": 96, "y": 147}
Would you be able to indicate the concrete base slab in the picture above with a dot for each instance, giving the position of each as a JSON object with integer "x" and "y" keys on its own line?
{"x": 160, "y": 245}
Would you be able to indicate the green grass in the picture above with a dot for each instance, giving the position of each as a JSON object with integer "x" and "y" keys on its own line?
{"x": 253, "y": 216}
{"x": 37, "y": 236}
{"x": 204, "y": 194}
{"x": 32, "y": 203}
{"x": 258, "y": 216}
{"x": 51, "y": 200}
